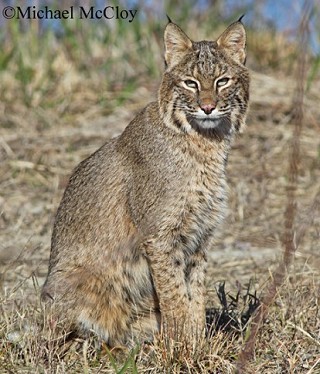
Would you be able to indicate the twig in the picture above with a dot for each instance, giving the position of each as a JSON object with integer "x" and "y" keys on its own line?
{"x": 313, "y": 367}
{"x": 304, "y": 332}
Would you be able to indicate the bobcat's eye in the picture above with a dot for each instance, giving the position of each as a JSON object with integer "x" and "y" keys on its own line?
{"x": 222, "y": 82}
{"x": 190, "y": 83}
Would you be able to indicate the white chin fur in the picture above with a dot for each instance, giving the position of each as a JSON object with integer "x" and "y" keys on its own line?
{"x": 207, "y": 122}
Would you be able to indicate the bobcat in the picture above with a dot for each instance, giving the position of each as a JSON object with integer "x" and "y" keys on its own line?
{"x": 131, "y": 235}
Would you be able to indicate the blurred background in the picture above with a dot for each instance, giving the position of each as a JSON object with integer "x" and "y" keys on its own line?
{"x": 116, "y": 52}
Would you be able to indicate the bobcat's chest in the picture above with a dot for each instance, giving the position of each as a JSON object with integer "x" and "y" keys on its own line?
{"x": 204, "y": 206}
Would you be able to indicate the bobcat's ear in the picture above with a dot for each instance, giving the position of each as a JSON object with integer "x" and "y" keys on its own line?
{"x": 233, "y": 41}
{"x": 176, "y": 43}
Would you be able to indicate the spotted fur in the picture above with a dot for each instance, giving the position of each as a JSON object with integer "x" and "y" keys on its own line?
{"x": 131, "y": 235}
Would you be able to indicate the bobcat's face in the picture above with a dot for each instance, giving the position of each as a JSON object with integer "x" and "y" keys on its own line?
{"x": 205, "y": 86}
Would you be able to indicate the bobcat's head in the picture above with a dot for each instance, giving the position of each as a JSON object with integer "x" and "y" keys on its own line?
{"x": 205, "y": 86}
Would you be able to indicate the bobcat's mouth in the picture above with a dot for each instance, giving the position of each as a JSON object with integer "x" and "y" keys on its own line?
{"x": 207, "y": 122}
{"x": 218, "y": 127}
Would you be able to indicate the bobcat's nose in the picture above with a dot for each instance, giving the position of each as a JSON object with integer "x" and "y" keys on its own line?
{"x": 208, "y": 108}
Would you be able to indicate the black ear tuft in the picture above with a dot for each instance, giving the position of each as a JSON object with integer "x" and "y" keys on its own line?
{"x": 240, "y": 19}
{"x": 176, "y": 43}
{"x": 169, "y": 19}
{"x": 233, "y": 41}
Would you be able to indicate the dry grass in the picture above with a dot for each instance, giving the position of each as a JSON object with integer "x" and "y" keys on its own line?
{"x": 64, "y": 110}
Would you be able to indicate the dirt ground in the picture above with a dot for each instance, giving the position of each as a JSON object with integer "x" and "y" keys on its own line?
{"x": 39, "y": 148}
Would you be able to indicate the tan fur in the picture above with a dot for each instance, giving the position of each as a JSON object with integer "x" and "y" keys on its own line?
{"x": 131, "y": 234}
